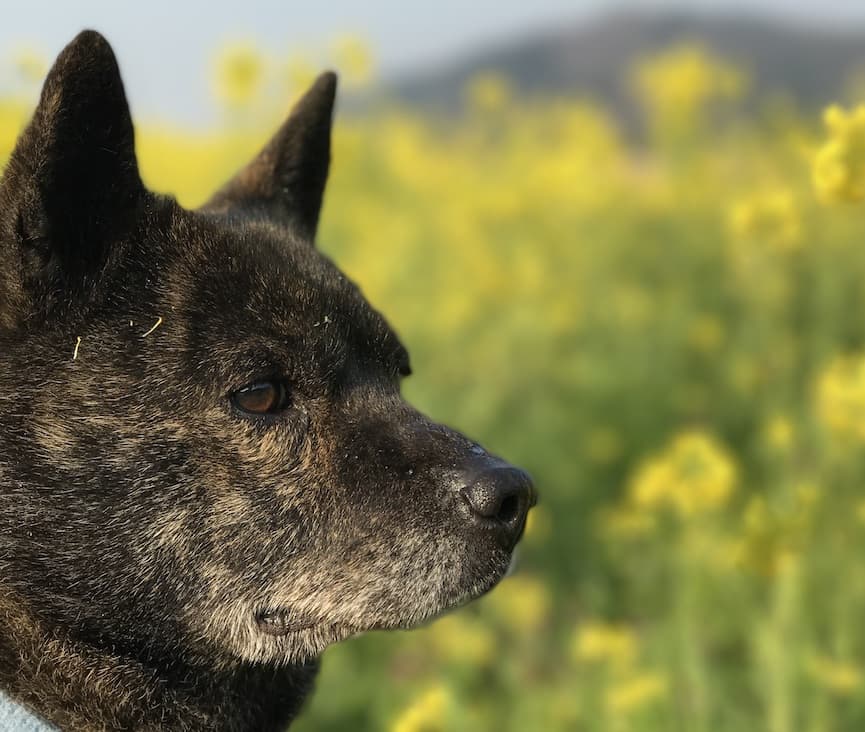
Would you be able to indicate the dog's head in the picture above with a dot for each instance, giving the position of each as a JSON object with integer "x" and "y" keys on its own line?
{"x": 203, "y": 434}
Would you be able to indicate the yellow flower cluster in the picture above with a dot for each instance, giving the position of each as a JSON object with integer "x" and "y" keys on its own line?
{"x": 694, "y": 474}
{"x": 841, "y": 397}
{"x": 770, "y": 218}
{"x": 677, "y": 84}
{"x": 839, "y": 166}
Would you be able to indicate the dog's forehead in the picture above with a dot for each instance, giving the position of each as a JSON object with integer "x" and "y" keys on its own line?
{"x": 265, "y": 277}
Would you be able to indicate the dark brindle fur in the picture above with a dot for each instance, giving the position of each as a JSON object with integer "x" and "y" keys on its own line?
{"x": 169, "y": 560}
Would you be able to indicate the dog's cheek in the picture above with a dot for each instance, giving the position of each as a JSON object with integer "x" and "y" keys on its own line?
{"x": 223, "y": 559}
{"x": 220, "y": 528}
{"x": 267, "y": 448}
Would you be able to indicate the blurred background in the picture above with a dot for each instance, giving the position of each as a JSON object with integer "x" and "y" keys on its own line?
{"x": 626, "y": 248}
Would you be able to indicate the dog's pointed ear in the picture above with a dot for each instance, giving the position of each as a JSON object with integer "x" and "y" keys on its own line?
{"x": 72, "y": 185}
{"x": 285, "y": 182}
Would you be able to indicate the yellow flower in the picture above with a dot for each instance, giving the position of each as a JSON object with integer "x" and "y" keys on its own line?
{"x": 653, "y": 484}
{"x": 693, "y": 475}
{"x": 677, "y": 84}
{"x": 599, "y": 641}
{"x": 841, "y": 397}
{"x": 427, "y": 714}
{"x": 839, "y": 677}
{"x": 636, "y": 692}
{"x": 770, "y": 218}
{"x": 239, "y": 74}
{"x": 839, "y": 166}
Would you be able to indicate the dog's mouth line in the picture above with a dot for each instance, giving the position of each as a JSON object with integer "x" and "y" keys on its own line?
{"x": 280, "y": 621}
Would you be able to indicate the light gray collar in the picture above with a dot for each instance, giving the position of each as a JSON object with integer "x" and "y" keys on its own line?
{"x": 15, "y": 717}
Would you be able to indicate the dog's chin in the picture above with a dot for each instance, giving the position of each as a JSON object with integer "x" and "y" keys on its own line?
{"x": 298, "y": 638}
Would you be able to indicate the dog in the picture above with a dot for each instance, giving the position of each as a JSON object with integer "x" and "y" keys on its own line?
{"x": 207, "y": 472}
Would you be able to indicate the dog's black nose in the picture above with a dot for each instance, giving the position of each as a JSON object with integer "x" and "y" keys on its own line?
{"x": 499, "y": 499}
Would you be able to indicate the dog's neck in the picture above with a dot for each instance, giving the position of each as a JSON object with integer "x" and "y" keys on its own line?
{"x": 76, "y": 686}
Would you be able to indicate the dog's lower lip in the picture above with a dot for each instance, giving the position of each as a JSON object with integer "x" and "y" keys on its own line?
{"x": 280, "y": 622}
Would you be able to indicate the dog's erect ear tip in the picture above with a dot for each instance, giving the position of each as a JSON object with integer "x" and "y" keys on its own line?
{"x": 327, "y": 79}
{"x": 90, "y": 40}
{"x": 320, "y": 96}
{"x": 88, "y": 47}
{"x": 86, "y": 68}
{"x": 325, "y": 84}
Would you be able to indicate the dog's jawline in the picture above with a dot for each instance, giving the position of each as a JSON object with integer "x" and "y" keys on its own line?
{"x": 278, "y": 622}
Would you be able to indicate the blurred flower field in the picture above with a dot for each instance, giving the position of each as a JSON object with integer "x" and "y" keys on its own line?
{"x": 669, "y": 334}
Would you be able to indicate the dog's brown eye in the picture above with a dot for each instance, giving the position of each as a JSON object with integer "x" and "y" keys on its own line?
{"x": 263, "y": 397}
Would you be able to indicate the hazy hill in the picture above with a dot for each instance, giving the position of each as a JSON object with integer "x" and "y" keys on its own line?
{"x": 812, "y": 65}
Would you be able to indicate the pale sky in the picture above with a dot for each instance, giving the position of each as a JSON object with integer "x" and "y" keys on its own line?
{"x": 165, "y": 46}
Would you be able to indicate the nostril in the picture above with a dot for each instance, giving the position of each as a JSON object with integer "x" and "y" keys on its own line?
{"x": 509, "y": 509}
